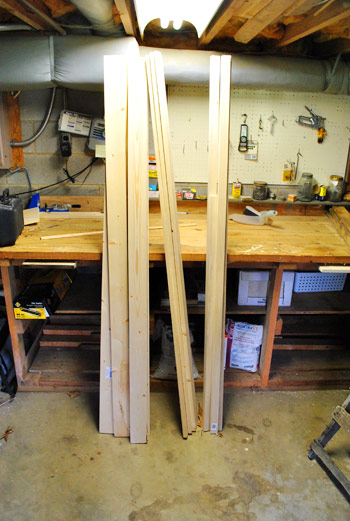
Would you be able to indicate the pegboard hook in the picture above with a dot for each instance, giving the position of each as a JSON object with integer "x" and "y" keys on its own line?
{"x": 245, "y": 118}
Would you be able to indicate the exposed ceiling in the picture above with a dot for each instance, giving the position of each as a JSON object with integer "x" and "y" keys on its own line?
{"x": 319, "y": 28}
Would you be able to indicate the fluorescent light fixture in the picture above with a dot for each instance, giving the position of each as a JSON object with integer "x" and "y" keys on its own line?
{"x": 197, "y": 12}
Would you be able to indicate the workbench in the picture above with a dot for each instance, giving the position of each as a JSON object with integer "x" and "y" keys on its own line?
{"x": 55, "y": 359}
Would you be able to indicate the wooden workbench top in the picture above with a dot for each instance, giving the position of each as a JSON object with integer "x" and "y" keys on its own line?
{"x": 288, "y": 239}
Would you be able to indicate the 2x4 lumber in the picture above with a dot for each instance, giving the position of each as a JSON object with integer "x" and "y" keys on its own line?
{"x": 217, "y": 244}
{"x": 115, "y": 91}
{"x": 23, "y": 14}
{"x": 210, "y": 268}
{"x": 271, "y": 317}
{"x": 126, "y": 12}
{"x": 311, "y": 24}
{"x": 268, "y": 15}
{"x": 227, "y": 9}
{"x": 15, "y": 127}
{"x": 106, "y": 404}
{"x": 182, "y": 346}
{"x": 138, "y": 250}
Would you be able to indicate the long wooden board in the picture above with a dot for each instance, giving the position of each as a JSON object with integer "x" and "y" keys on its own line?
{"x": 138, "y": 250}
{"x": 115, "y": 91}
{"x": 217, "y": 242}
{"x": 106, "y": 406}
{"x": 156, "y": 85}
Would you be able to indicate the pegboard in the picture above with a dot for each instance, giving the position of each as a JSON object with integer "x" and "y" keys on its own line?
{"x": 189, "y": 113}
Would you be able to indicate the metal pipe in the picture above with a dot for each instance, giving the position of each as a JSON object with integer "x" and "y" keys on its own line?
{"x": 42, "y": 127}
{"x": 99, "y": 14}
{"x": 26, "y": 171}
{"x": 15, "y": 27}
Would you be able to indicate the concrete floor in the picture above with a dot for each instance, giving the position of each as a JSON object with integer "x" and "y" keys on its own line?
{"x": 57, "y": 467}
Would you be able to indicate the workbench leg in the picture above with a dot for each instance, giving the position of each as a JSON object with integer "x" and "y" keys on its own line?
{"x": 10, "y": 291}
{"x": 272, "y": 303}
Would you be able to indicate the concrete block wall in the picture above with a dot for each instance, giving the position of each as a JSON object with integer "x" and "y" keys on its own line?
{"x": 43, "y": 157}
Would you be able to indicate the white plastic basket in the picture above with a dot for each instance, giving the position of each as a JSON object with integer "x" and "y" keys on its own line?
{"x": 305, "y": 282}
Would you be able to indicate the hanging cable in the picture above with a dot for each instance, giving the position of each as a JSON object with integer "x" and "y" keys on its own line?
{"x": 58, "y": 182}
{"x": 42, "y": 127}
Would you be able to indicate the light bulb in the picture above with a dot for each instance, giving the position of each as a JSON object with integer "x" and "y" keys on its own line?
{"x": 164, "y": 23}
{"x": 177, "y": 24}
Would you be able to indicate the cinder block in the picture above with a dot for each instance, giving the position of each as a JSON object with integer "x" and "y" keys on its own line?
{"x": 34, "y": 104}
{"x": 49, "y": 141}
{"x": 79, "y": 145}
{"x": 42, "y": 169}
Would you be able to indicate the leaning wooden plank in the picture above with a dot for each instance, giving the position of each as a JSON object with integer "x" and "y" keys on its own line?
{"x": 155, "y": 76}
{"x": 210, "y": 268}
{"x": 115, "y": 91}
{"x": 216, "y": 246}
{"x": 138, "y": 251}
{"x": 170, "y": 265}
{"x": 182, "y": 305}
{"x": 106, "y": 408}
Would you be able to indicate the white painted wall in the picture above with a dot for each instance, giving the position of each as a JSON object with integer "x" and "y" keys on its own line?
{"x": 188, "y": 114}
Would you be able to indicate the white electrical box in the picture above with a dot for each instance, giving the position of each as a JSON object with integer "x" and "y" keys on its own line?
{"x": 5, "y": 137}
{"x": 252, "y": 288}
{"x": 74, "y": 123}
{"x": 97, "y": 133}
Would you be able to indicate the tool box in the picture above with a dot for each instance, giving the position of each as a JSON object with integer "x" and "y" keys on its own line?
{"x": 42, "y": 295}
{"x": 11, "y": 219}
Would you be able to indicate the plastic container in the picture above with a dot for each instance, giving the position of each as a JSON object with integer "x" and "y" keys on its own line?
{"x": 305, "y": 282}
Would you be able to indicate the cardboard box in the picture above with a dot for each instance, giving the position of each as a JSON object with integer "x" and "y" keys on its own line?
{"x": 252, "y": 288}
{"x": 42, "y": 295}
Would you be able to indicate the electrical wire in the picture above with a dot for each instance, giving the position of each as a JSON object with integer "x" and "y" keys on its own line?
{"x": 58, "y": 182}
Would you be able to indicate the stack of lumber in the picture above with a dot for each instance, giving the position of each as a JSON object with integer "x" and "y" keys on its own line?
{"x": 173, "y": 259}
{"x": 124, "y": 362}
{"x": 216, "y": 254}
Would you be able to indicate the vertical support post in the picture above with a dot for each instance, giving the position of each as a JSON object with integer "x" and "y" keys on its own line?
{"x": 15, "y": 128}
{"x": 19, "y": 356}
{"x": 272, "y": 303}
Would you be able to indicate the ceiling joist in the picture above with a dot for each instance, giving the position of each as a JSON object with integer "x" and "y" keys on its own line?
{"x": 126, "y": 12}
{"x": 227, "y": 9}
{"x": 41, "y": 14}
{"x": 265, "y": 17}
{"x": 311, "y": 24}
{"x": 17, "y": 10}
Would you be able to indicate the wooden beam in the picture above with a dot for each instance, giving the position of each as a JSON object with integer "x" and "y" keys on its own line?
{"x": 272, "y": 304}
{"x": 44, "y": 16}
{"x": 267, "y": 16}
{"x": 311, "y": 23}
{"x": 115, "y": 91}
{"x": 126, "y": 12}
{"x": 138, "y": 263}
{"x": 227, "y": 9}
{"x": 15, "y": 128}
{"x": 23, "y": 14}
